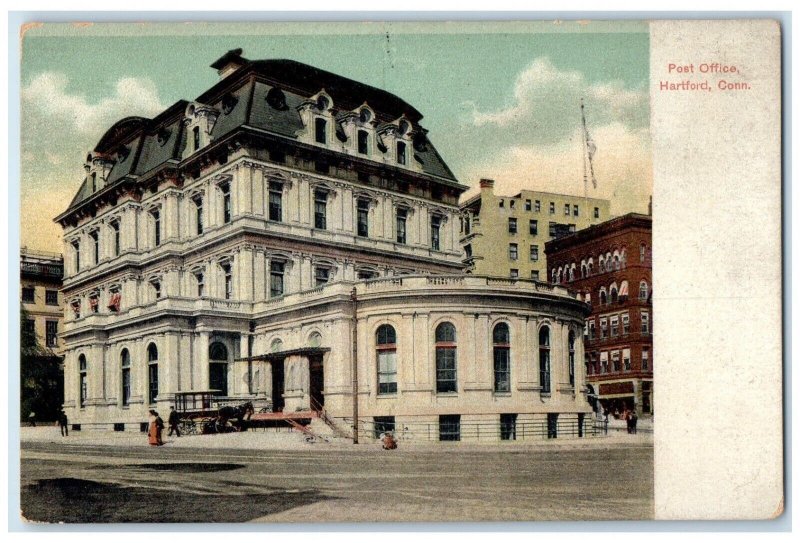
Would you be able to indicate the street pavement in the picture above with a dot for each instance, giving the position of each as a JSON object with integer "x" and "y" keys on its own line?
{"x": 591, "y": 479}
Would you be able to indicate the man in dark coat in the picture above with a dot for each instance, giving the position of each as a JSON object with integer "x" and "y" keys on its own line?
{"x": 62, "y": 423}
{"x": 173, "y": 420}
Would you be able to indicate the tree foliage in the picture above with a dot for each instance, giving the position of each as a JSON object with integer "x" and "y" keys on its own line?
{"x": 41, "y": 376}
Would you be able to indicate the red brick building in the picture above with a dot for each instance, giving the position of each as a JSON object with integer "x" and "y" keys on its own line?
{"x": 609, "y": 265}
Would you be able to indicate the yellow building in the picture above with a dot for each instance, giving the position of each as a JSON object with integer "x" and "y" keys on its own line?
{"x": 505, "y": 235}
{"x": 41, "y": 274}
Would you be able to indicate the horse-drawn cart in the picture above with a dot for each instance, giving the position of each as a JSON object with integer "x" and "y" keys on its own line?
{"x": 205, "y": 412}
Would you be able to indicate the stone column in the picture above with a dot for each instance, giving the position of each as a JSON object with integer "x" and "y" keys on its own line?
{"x": 259, "y": 198}
{"x": 201, "y": 361}
{"x": 244, "y": 179}
{"x": 170, "y": 219}
{"x": 483, "y": 358}
{"x": 296, "y": 378}
{"x": 169, "y": 366}
{"x": 245, "y": 278}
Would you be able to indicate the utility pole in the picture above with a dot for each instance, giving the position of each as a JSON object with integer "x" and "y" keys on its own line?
{"x": 354, "y": 300}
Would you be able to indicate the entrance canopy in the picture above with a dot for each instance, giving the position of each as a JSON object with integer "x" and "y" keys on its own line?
{"x": 280, "y": 355}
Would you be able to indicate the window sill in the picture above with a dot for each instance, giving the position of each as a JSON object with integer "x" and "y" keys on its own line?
{"x": 501, "y": 394}
{"x": 447, "y": 394}
{"x": 387, "y": 396}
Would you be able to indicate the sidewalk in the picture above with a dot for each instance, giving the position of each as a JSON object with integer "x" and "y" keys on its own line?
{"x": 260, "y": 440}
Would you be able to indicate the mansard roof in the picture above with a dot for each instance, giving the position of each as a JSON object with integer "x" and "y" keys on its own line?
{"x": 137, "y": 146}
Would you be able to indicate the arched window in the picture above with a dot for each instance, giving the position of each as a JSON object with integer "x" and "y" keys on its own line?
{"x": 584, "y": 270}
{"x": 602, "y": 263}
{"x": 553, "y": 275}
{"x": 558, "y": 276}
{"x": 572, "y": 273}
{"x": 623, "y": 259}
{"x": 218, "y": 368}
{"x": 276, "y": 346}
{"x": 544, "y": 359}
{"x": 571, "y": 346}
{"x": 315, "y": 339}
{"x": 501, "y": 343}
{"x": 152, "y": 373}
{"x": 590, "y": 267}
{"x": 446, "y": 359}
{"x": 386, "y": 347}
{"x": 83, "y": 390}
{"x": 642, "y": 252}
{"x": 643, "y": 290}
{"x": 125, "y": 362}
{"x": 603, "y": 299}
{"x": 613, "y": 294}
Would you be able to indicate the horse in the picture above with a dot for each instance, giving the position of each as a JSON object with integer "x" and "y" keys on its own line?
{"x": 240, "y": 414}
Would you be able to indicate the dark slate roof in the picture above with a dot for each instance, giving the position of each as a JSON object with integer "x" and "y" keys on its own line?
{"x": 241, "y": 100}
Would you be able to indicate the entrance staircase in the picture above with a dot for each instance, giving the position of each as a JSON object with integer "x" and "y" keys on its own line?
{"x": 315, "y": 423}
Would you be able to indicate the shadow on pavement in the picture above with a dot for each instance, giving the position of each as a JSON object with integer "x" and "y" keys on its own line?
{"x": 72, "y": 500}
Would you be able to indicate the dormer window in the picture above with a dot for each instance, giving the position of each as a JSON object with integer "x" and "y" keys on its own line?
{"x": 276, "y": 99}
{"x": 365, "y": 115}
{"x": 363, "y": 142}
{"x": 401, "y": 152}
{"x": 320, "y": 130}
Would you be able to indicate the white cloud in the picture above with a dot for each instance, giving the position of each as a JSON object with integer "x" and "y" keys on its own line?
{"x": 546, "y": 104}
{"x": 536, "y": 142}
{"x": 47, "y": 96}
{"x": 622, "y": 168}
{"x": 58, "y": 129}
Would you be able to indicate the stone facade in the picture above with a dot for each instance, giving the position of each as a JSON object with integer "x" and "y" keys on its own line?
{"x": 265, "y": 268}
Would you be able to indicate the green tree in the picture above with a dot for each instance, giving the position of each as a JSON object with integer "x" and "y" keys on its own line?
{"x": 41, "y": 376}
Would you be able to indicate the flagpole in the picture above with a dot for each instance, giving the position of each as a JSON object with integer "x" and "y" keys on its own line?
{"x": 583, "y": 153}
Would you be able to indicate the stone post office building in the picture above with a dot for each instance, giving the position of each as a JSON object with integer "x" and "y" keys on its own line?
{"x": 291, "y": 236}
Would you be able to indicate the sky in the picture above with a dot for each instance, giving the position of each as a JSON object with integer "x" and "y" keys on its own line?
{"x": 500, "y": 100}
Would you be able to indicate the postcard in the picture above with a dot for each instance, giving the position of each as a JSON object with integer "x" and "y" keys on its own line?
{"x": 400, "y": 272}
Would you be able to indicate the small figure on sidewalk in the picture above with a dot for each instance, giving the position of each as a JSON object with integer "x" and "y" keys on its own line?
{"x": 32, "y": 419}
{"x": 62, "y": 424}
{"x": 634, "y": 420}
{"x": 173, "y": 420}
{"x": 629, "y": 421}
{"x": 389, "y": 442}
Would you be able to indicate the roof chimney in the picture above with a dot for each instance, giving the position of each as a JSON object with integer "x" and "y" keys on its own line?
{"x": 487, "y": 184}
{"x": 229, "y": 63}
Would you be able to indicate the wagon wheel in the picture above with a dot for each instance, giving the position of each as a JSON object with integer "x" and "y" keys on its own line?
{"x": 188, "y": 427}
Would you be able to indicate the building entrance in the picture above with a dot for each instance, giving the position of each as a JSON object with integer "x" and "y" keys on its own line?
{"x": 277, "y": 386}
{"x": 316, "y": 380}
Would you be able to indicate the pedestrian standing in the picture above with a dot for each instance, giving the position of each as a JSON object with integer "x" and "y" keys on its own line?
{"x": 62, "y": 424}
{"x": 634, "y": 421}
{"x": 152, "y": 429}
{"x": 32, "y": 419}
{"x": 160, "y": 428}
{"x": 174, "y": 420}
